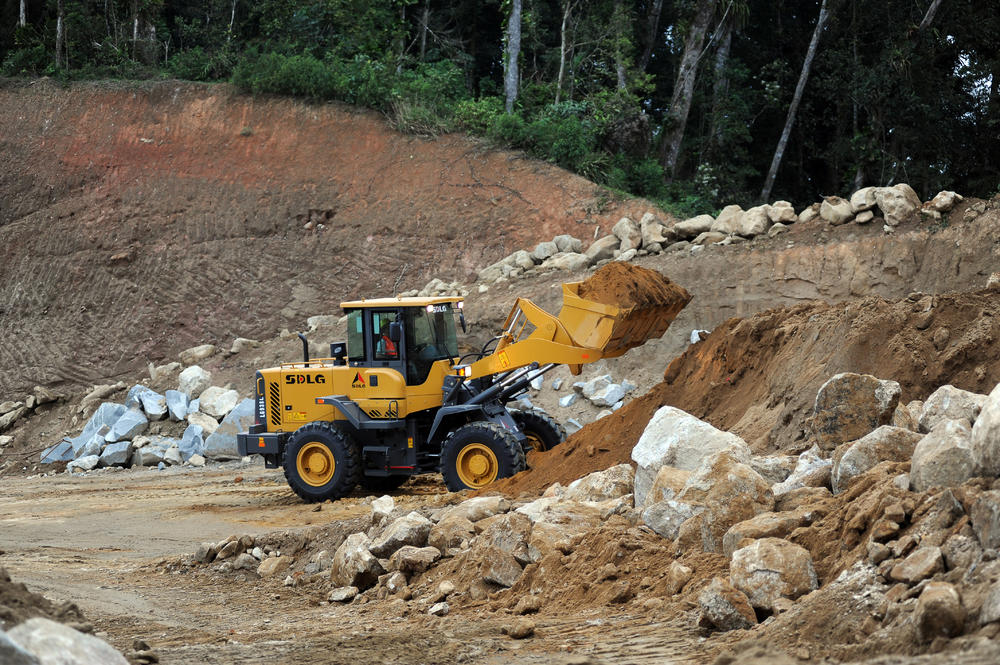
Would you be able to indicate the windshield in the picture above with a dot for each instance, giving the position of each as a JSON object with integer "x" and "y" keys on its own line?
{"x": 355, "y": 336}
{"x": 430, "y": 336}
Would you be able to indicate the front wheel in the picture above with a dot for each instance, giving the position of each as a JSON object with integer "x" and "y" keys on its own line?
{"x": 541, "y": 430}
{"x": 477, "y": 454}
{"x": 321, "y": 462}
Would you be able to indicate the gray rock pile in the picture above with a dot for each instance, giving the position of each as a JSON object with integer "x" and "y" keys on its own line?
{"x": 177, "y": 427}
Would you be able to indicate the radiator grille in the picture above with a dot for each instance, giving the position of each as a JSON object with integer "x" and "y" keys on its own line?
{"x": 274, "y": 394}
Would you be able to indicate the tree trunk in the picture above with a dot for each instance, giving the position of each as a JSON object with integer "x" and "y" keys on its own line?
{"x": 929, "y": 16}
{"x": 567, "y": 8}
{"x": 60, "y": 35}
{"x": 22, "y": 17}
{"x": 652, "y": 27}
{"x": 680, "y": 102}
{"x": 510, "y": 78}
{"x": 232, "y": 20}
{"x": 779, "y": 152}
{"x": 720, "y": 87}
{"x": 424, "y": 22}
{"x": 620, "y": 28}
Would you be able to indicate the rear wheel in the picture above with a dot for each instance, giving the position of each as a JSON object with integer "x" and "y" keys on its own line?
{"x": 542, "y": 431}
{"x": 477, "y": 454}
{"x": 321, "y": 462}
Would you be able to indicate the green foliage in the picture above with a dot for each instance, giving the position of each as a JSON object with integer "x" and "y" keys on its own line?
{"x": 197, "y": 64}
{"x": 30, "y": 61}
{"x": 478, "y": 115}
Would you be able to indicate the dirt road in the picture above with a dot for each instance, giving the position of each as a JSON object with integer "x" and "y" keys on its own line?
{"x": 116, "y": 544}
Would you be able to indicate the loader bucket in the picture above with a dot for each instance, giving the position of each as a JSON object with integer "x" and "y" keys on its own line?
{"x": 620, "y": 307}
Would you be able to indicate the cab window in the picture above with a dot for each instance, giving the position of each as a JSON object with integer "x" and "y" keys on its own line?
{"x": 355, "y": 336}
{"x": 385, "y": 348}
{"x": 431, "y": 336}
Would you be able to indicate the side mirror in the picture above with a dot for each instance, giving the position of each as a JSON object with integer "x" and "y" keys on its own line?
{"x": 395, "y": 332}
{"x": 461, "y": 319}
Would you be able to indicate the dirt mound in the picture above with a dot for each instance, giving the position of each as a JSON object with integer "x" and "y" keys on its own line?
{"x": 627, "y": 285}
{"x": 17, "y": 604}
{"x": 758, "y": 377}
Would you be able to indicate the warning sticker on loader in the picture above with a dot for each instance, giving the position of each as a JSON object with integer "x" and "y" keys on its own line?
{"x": 504, "y": 360}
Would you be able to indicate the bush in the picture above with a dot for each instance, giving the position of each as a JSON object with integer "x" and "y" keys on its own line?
{"x": 477, "y": 115}
{"x": 508, "y": 129}
{"x": 196, "y": 64}
{"x": 30, "y": 61}
{"x": 563, "y": 140}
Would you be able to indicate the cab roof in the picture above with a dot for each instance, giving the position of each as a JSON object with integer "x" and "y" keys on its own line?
{"x": 400, "y": 302}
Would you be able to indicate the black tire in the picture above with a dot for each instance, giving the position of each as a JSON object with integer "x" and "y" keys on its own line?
{"x": 466, "y": 450}
{"x": 542, "y": 430}
{"x": 382, "y": 484}
{"x": 308, "y": 456}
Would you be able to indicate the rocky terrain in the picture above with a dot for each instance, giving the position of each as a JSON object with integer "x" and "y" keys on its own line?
{"x": 803, "y": 469}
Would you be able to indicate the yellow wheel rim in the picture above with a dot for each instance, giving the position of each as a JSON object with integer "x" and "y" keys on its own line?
{"x": 535, "y": 442}
{"x": 315, "y": 464}
{"x": 477, "y": 465}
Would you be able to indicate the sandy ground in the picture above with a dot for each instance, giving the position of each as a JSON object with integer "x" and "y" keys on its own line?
{"x": 115, "y": 549}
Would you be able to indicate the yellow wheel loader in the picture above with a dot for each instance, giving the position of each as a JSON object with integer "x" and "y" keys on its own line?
{"x": 397, "y": 400}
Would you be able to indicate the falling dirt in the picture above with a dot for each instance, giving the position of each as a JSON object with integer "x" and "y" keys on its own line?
{"x": 758, "y": 377}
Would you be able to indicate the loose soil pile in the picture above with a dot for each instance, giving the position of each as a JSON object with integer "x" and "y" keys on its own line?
{"x": 627, "y": 285}
{"x": 17, "y": 605}
{"x": 758, "y": 377}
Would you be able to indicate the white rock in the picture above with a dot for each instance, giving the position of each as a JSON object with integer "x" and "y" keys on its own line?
{"x": 410, "y": 529}
{"x": 986, "y": 435}
{"x": 207, "y": 423}
{"x": 131, "y": 423}
{"x": 217, "y": 402}
{"x": 897, "y": 203}
{"x": 382, "y": 508}
{"x": 177, "y": 405}
{"x": 678, "y": 439}
{"x": 628, "y": 234}
{"x": 693, "y": 227}
{"x": 943, "y": 457}
{"x": 85, "y": 463}
{"x": 154, "y": 404}
{"x": 221, "y": 444}
{"x": 193, "y": 380}
{"x": 608, "y": 396}
{"x": 728, "y": 221}
{"x": 666, "y": 517}
{"x": 950, "y": 403}
{"x": 602, "y": 485}
{"x": 782, "y": 212}
{"x": 56, "y": 644}
{"x": 567, "y": 243}
{"x": 544, "y": 250}
{"x": 863, "y": 199}
{"x": 754, "y": 222}
{"x": 944, "y": 201}
{"x": 353, "y": 563}
{"x": 836, "y": 210}
{"x": 196, "y": 353}
{"x": 809, "y": 462}
{"x": 771, "y": 568}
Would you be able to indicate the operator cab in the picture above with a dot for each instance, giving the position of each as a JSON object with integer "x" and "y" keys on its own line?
{"x": 405, "y": 334}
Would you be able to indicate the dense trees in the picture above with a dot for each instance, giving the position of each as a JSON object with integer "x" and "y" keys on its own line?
{"x": 695, "y": 102}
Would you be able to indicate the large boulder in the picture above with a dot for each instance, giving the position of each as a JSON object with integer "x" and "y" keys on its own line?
{"x": 410, "y": 529}
{"x": 986, "y": 435}
{"x": 192, "y": 442}
{"x": 886, "y": 443}
{"x": 59, "y": 452}
{"x": 602, "y": 485}
{"x": 354, "y": 564}
{"x": 811, "y": 470}
{"x": 753, "y": 222}
{"x": 602, "y": 248}
{"x": 985, "y": 517}
{"x": 950, "y": 403}
{"x": 943, "y": 457}
{"x": 849, "y": 406}
{"x": 863, "y": 199}
{"x": 499, "y": 567}
{"x": 765, "y": 525}
{"x": 116, "y": 454}
{"x": 693, "y": 227}
{"x": 836, "y": 210}
{"x": 782, "y": 212}
{"x": 939, "y": 611}
{"x": 207, "y": 423}
{"x": 567, "y": 243}
{"x": 153, "y": 404}
{"x": 544, "y": 250}
{"x": 772, "y": 568}
{"x": 730, "y": 491}
{"x": 53, "y": 643}
{"x": 728, "y": 221}
{"x": 131, "y": 424}
{"x": 193, "y": 380}
{"x": 12, "y": 653}
{"x": 217, "y": 402}
{"x": 652, "y": 231}
{"x": 450, "y": 533}
{"x": 628, "y": 233}
{"x": 410, "y": 560}
{"x": 508, "y": 532}
{"x": 221, "y": 444}
{"x": 944, "y": 201}
{"x": 106, "y": 415}
{"x": 725, "y": 607}
{"x": 177, "y": 404}
{"x": 570, "y": 261}
{"x": 477, "y": 508}
{"x": 897, "y": 203}
{"x": 678, "y": 439}
{"x": 666, "y": 517}
{"x": 668, "y": 483}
